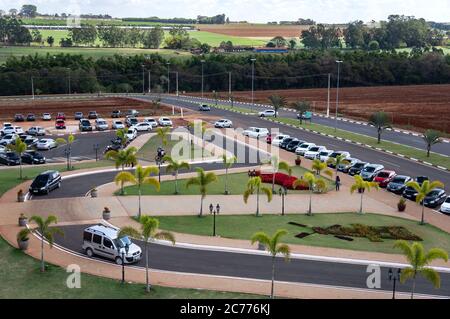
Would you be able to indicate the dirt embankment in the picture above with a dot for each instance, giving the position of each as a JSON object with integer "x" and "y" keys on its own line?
{"x": 103, "y": 106}
{"x": 255, "y": 30}
{"x": 417, "y": 107}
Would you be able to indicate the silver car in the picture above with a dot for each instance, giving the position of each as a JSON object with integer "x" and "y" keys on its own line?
{"x": 369, "y": 171}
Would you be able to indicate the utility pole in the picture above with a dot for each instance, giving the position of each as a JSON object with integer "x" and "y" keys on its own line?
{"x": 69, "y": 82}
{"x": 253, "y": 81}
{"x": 149, "y": 83}
{"x": 328, "y": 100}
{"x": 229, "y": 86}
{"x": 176, "y": 73}
{"x": 337, "y": 94}
{"x": 168, "y": 77}
{"x": 143, "y": 79}
{"x": 203, "y": 62}
{"x": 32, "y": 88}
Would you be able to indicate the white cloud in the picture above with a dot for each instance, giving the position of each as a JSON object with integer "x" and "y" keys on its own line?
{"x": 250, "y": 10}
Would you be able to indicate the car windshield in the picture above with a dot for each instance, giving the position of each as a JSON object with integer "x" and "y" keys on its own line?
{"x": 287, "y": 140}
{"x": 118, "y": 122}
{"x": 433, "y": 193}
{"x": 383, "y": 174}
{"x": 85, "y": 123}
{"x": 41, "y": 180}
{"x": 421, "y": 179}
{"x": 101, "y": 122}
{"x": 124, "y": 241}
{"x": 447, "y": 200}
{"x": 304, "y": 146}
{"x": 369, "y": 169}
{"x": 11, "y": 155}
{"x": 314, "y": 149}
{"x": 359, "y": 165}
{"x": 334, "y": 154}
{"x": 399, "y": 180}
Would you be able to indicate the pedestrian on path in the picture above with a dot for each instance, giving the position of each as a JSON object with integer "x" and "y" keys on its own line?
{"x": 338, "y": 182}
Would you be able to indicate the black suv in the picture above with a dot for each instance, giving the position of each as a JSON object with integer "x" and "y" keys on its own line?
{"x": 410, "y": 192}
{"x": 292, "y": 146}
{"x": 19, "y": 118}
{"x": 285, "y": 142}
{"x": 116, "y": 114}
{"x": 9, "y": 158}
{"x": 92, "y": 115}
{"x": 33, "y": 157}
{"x": 85, "y": 125}
{"x": 46, "y": 182}
{"x": 31, "y": 117}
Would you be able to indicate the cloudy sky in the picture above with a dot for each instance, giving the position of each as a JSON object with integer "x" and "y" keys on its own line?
{"x": 250, "y": 10}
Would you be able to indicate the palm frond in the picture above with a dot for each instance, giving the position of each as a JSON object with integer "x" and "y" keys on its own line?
{"x": 129, "y": 231}
{"x": 432, "y": 276}
{"x": 165, "y": 235}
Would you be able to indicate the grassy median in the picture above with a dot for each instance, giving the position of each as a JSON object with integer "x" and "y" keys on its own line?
{"x": 21, "y": 278}
{"x": 244, "y": 226}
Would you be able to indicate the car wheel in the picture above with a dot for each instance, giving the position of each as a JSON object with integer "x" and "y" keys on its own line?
{"x": 89, "y": 253}
{"x": 118, "y": 261}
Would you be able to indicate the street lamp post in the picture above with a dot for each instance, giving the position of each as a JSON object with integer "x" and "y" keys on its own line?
{"x": 143, "y": 79}
{"x": 149, "y": 82}
{"x": 168, "y": 77}
{"x": 203, "y": 62}
{"x": 253, "y": 81}
{"x": 176, "y": 74}
{"x": 337, "y": 93}
{"x": 69, "y": 82}
{"x": 96, "y": 148}
{"x": 282, "y": 192}
{"x": 32, "y": 87}
{"x": 394, "y": 276}
{"x": 123, "y": 253}
{"x": 214, "y": 212}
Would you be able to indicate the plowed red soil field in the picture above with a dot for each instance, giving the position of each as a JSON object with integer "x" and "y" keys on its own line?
{"x": 103, "y": 106}
{"x": 419, "y": 106}
{"x": 252, "y": 30}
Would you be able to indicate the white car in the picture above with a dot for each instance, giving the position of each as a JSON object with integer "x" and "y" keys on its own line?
{"x": 101, "y": 124}
{"x": 2, "y": 149}
{"x": 256, "y": 132}
{"x": 8, "y": 139}
{"x": 117, "y": 125}
{"x": 46, "y": 117}
{"x": 223, "y": 123}
{"x": 268, "y": 113}
{"x": 314, "y": 152}
{"x": 325, "y": 155}
{"x": 131, "y": 133}
{"x": 445, "y": 207}
{"x": 165, "y": 121}
{"x": 18, "y": 130}
{"x": 278, "y": 139}
{"x": 151, "y": 121}
{"x": 143, "y": 126}
{"x": 36, "y": 131}
{"x": 302, "y": 149}
{"x": 46, "y": 144}
{"x": 8, "y": 130}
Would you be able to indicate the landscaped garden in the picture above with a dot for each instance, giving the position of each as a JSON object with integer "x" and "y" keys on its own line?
{"x": 21, "y": 278}
{"x": 363, "y": 232}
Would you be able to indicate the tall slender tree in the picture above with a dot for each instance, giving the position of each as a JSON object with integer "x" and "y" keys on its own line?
{"x": 431, "y": 137}
{"x": 422, "y": 191}
{"x": 175, "y": 166}
{"x": 301, "y": 107}
{"x": 19, "y": 147}
{"x": 314, "y": 183}
{"x": 381, "y": 121}
{"x": 123, "y": 158}
{"x": 278, "y": 102}
{"x": 202, "y": 181}
{"x": 68, "y": 151}
{"x": 361, "y": 186}
{"x": 255, "y": 185}
{"x": 227, "y": 163}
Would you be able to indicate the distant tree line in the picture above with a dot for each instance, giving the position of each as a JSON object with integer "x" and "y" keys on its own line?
{"x": 13, "y": 33}
{"x": 299, "y": 69}
{"x": 217, "y": 19}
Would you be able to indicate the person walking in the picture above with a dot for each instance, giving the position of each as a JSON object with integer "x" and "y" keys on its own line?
{"x": 338, "y": 182}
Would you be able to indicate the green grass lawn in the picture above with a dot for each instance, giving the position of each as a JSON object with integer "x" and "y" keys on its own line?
{"x": 396, "y": 148}
{"x": 10, "y": 177}
{"x": 21, "y": 278}
{"x": 244, "y": 226}
{"x": 237, "y": 184}
{"x": 149, "y": 150}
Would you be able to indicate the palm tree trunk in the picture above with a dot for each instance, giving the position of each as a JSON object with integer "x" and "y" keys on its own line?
{"x": 310, "y": 202}
{"x": 361, "y": 203}
{"x": 422, "y": 220}
{"x": 413, "y": 288}
{"x": 121, "y": 183}
{"x": 379, "y": 135}
{"x": 42, "y": 253}
{"x": 20, "y": 168}
{"x": 226, "y": 181}
{"x": 273, "y": 276}
{"x": 139, "y": 212}
{"x": 201, "y": 207}
{"x": 176, "y": 182}
{"x": 147, "y": 282}
{"x": 257, "y": 203}
{"x": 428, "y": 150}
{"x": 273, "y": 182}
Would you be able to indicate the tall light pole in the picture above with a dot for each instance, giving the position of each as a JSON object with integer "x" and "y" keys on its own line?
{"x": 168, "y": 77}
{"x": 229, "y": 86}
{"x": 69, "y": 81}
{"x": 143, "y": 79}
{"x": 149, "y": 82}
{"x": 337, "y": 93}
{"x": 253, "y": 81}
{"x": 203, "y": 63}
{"x": 328, "y": 98}
{"x": 176, "y": 73}
{"x": 32, "y": 88}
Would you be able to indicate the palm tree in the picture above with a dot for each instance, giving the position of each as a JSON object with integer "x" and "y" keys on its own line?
{"x": 19, "y": 147}
{"x": 68, "y": 142}
{"x": 148, "y": 232}
{"x": 228, "y": 162}
{"x": 45, "y": 232}
{"x": 284, "y": 166}
{"x": 380, "y": 121}
{"x": 162, "y": 133}
{"x": 140, "y": 177}
{"x": 419, "y": 259}
{"x": 122, "y": 135}
{"x": 422, "y": 191}
{"x": 175, "y": 166}
{"x": 277, "y": 102}
{"x": 202, "y": 181}
{"x": 254, "y": 184}
{"x": 274, "y": 247}
{"x": 361, "y": 185}
{"x": 122, "y": 159}
{"x": 301, "y": 107}
{"x": 313, "y": 183}
{"x": 431, "y": 137}
{"x": 338, "y": 160}
{"x": 319, "y": 167}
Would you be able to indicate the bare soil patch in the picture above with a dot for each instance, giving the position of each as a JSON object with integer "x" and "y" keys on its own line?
{"x": 417, "y": 107}
{"x": 255, "y": 30}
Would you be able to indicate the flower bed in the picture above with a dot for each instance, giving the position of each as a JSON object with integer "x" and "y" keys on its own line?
{"x": 282, "y": 180}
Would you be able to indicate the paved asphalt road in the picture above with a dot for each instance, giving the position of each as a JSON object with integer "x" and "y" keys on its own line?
{"x": 256, "y": 266}
{"x": 398, "y": 164}
{"x": 401, "y": 138}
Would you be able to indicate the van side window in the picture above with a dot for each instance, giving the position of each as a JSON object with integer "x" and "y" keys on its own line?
{"x": 87, "y": 236}
{"x": 107, "y": 243}
{"x": 97, "y": 239}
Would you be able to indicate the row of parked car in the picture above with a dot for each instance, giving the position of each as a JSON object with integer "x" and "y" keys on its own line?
{"x": 92, "y": 115}
{"x": 388, "y": 179}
